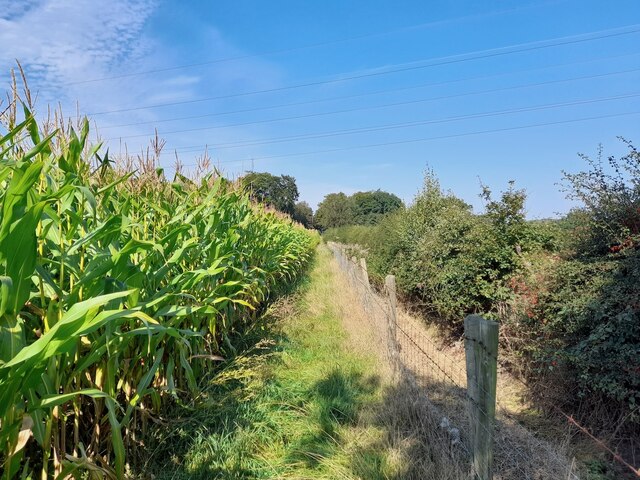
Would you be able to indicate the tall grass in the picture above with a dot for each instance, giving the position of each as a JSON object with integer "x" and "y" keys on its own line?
{"x": 117, "y": 290}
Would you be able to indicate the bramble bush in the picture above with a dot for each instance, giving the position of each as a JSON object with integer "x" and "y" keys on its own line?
{"x": 610, "y": 193}
{"x": 590, "y": 312}
{"x": 589, "y": 319}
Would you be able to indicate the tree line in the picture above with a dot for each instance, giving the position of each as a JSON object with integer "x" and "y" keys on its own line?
{"x": 336, "y": 210}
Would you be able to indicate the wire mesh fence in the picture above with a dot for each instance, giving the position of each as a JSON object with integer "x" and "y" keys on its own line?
{"x": 414, "y": 357}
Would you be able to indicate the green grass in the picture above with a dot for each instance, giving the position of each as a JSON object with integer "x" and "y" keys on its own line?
{"x": 290, "y": 407}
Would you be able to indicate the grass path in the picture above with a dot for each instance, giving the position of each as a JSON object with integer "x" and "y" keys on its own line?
{"x": 302, "y": 403}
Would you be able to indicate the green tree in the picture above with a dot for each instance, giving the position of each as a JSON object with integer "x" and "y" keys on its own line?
{"x": 335, "y": 210}
{"x": 280, "y": 192}
{"x": 370, "y": 207}
{"x": 302, "y": 213}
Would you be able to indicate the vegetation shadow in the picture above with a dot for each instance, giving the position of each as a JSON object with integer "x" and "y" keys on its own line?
{"x": 204, "y": 437}
{"x": 412, "y": 429}
{"x": 335, "y": 401}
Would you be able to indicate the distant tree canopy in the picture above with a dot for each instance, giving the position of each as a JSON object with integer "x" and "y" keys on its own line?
{"x": 303, "y": 214}
{"x": 362, "y": 208}
{"x": 370, "y": 207}
{"x": 334, "y": 211}
{"x": 280, "y": 192}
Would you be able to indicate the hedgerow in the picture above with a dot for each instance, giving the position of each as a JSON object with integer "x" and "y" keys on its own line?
{"x": 566, "y": 291}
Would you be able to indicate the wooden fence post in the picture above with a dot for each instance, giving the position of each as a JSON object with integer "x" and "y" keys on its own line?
{"x": 481, "y": 349}
{"x": 365, "y": 273}
{"x": 354, "y": 271}
{"x": 390, "y": 284}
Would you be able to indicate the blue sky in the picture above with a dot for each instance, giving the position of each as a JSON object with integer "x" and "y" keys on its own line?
{"x": 437, "y": 70}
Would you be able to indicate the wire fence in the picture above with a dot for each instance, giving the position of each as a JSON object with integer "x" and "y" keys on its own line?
{"x": 414, "y": 357}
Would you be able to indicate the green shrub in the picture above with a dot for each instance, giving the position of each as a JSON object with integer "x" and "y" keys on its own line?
{"x": 449, "y": 260}
{"x": 589, "y": 318}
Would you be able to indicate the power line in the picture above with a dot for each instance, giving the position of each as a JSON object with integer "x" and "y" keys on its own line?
{"x": 294, "y": 49}
{"x": 392, "y": 90}
{"x": 403, "y": 124}
{"x": 426, "y": 139}
{"x": 404, "y": 67}
{"x": 322, "y": 114}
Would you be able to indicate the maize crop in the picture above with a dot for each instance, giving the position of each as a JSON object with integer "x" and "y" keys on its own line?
{"x": 117, "y": 291}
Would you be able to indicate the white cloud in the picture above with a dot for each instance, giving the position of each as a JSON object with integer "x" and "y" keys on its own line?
{"x": 62, "y": 41}
{"x": 65, "y": 44}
